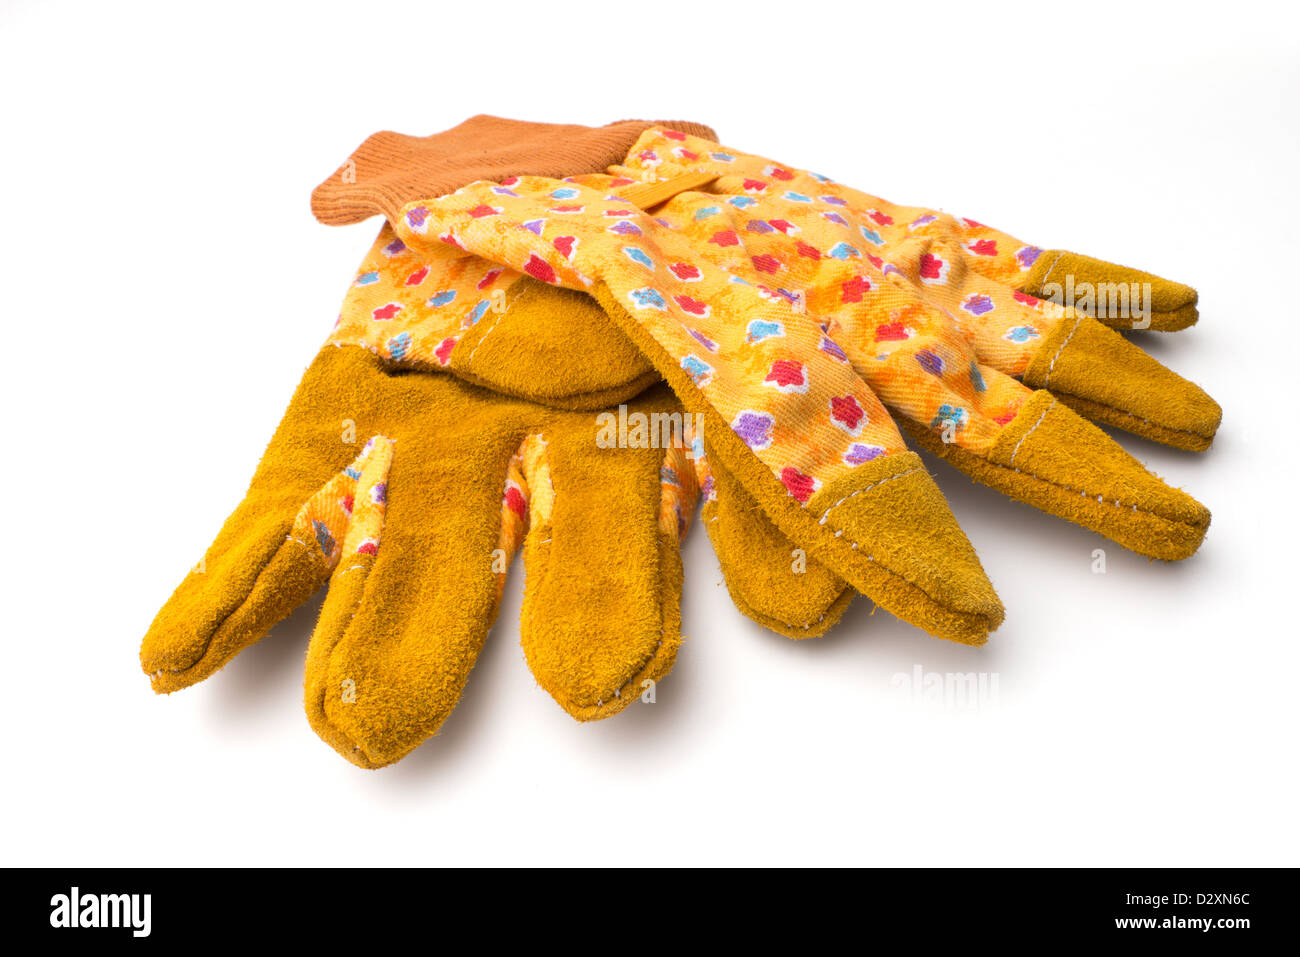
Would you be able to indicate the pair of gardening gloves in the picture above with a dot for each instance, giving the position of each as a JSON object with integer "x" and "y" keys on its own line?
{"x": 565, "y": 336}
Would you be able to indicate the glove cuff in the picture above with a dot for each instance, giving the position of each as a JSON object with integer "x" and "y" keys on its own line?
{"x": 389, "y": 170}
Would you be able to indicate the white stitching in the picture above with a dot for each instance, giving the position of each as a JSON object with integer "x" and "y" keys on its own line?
{"x": 1043, "y": 282}
{"x": 865, "y": 488}
{"x": 1133, "y": 415}
{"x": 1052, "y": 366}
{"x": 1012, "y": 461}
{"x": 470, "y": 361}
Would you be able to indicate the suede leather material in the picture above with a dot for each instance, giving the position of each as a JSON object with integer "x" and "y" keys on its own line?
{"x": 552, "y": 346}
{"x": 1054, "y": 459}
{"x": 1102, "y": 375}
{"x": 889, "y": 527}
{"x": 761, "y": 569}
{"x": 1173, "y": 305}
{"x": 253, "y": 575}
{"x": 559, "y": 347}
{"x": 590, "y": 668}
{"x": 402, "y": 628}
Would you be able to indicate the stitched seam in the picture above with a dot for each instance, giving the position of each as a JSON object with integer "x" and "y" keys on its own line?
{"x": 866, "y": 488}
{"x": 1043, "y": 282}
{"x": 1084, "y": 493}
{"x": 1014, "y": 452}
{"x": 1052, "y": 366}
{"x": 806, "y": 625}
{"x": 208, "y": 644}
{"x": 1135, "y": 417}
{"x": 470, "y": 361}
{"x": 640, "y": 672}
{"x": 871, "y": 559}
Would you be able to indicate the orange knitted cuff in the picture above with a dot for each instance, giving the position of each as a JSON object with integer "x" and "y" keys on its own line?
{"x": 389, "y": 170}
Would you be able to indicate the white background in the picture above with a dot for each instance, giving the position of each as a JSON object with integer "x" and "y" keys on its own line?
{"x": 164, "y": 285}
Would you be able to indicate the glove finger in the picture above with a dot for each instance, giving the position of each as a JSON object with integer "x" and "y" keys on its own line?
{"x": 1071, "y": 279}
{"x": 770, "y": 579}
{"x": 1026, "y": 444}
{"x": 1099, "y": 373}
{"x": 603, "y": 574}
{"x": 403, "y": 622}
{"x": 1052, "y": 458}
{"x": 1087, "y": 365}
{"x": 279, "y": 544}
{"x": 1067, "y": 278}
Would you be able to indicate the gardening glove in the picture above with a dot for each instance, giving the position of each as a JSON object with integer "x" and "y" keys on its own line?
{"x": 557, "y": 347}
{"x": 950, "y": 377}
{"x": 408, "y": 492}
{"x": 943, "y": 317}
{"x": 820, "y": 457}
{"x": 529, "y": 353}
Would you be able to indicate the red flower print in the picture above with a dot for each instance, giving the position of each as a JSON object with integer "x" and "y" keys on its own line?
{"x": 725, "y": 237}
{"x": 685, "y": 271}
{"x": 539, "y": 268}
{"x": 785, "y": 372}
{"x": 565, "y": 245}
{"x": 488, "y": 278}
{"x": 515, "y": 501}
{"x": 777, "y": 173}
{"x": 1025, "y": 299}
{"x": 347, "y": 503}
{"x": 851, "y": 290}
{"x": 754, "y": 186}
{"x": 891, "y": 332}
{"x": 478, "y": 212}
{"x": 808, "y": 252}
{"x": 674, "y": 135}
{"x": 801, "y": 486}
{"x": 984, "y": 247}
{"x": 443, "y": 352}
{"x": 386, "y": 311}
{"x": 766, "y": 263}
{"x": 882, "y": 218}
{"x": 693, "y": 306}
{"x": 931, "y": 266}
{"x": 417, "y": 277}
{"x": 876, "y": 261}
{"x": 846, "y": 413}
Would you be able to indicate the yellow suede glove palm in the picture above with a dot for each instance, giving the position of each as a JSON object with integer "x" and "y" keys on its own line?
{"x": 414, "y": 530}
